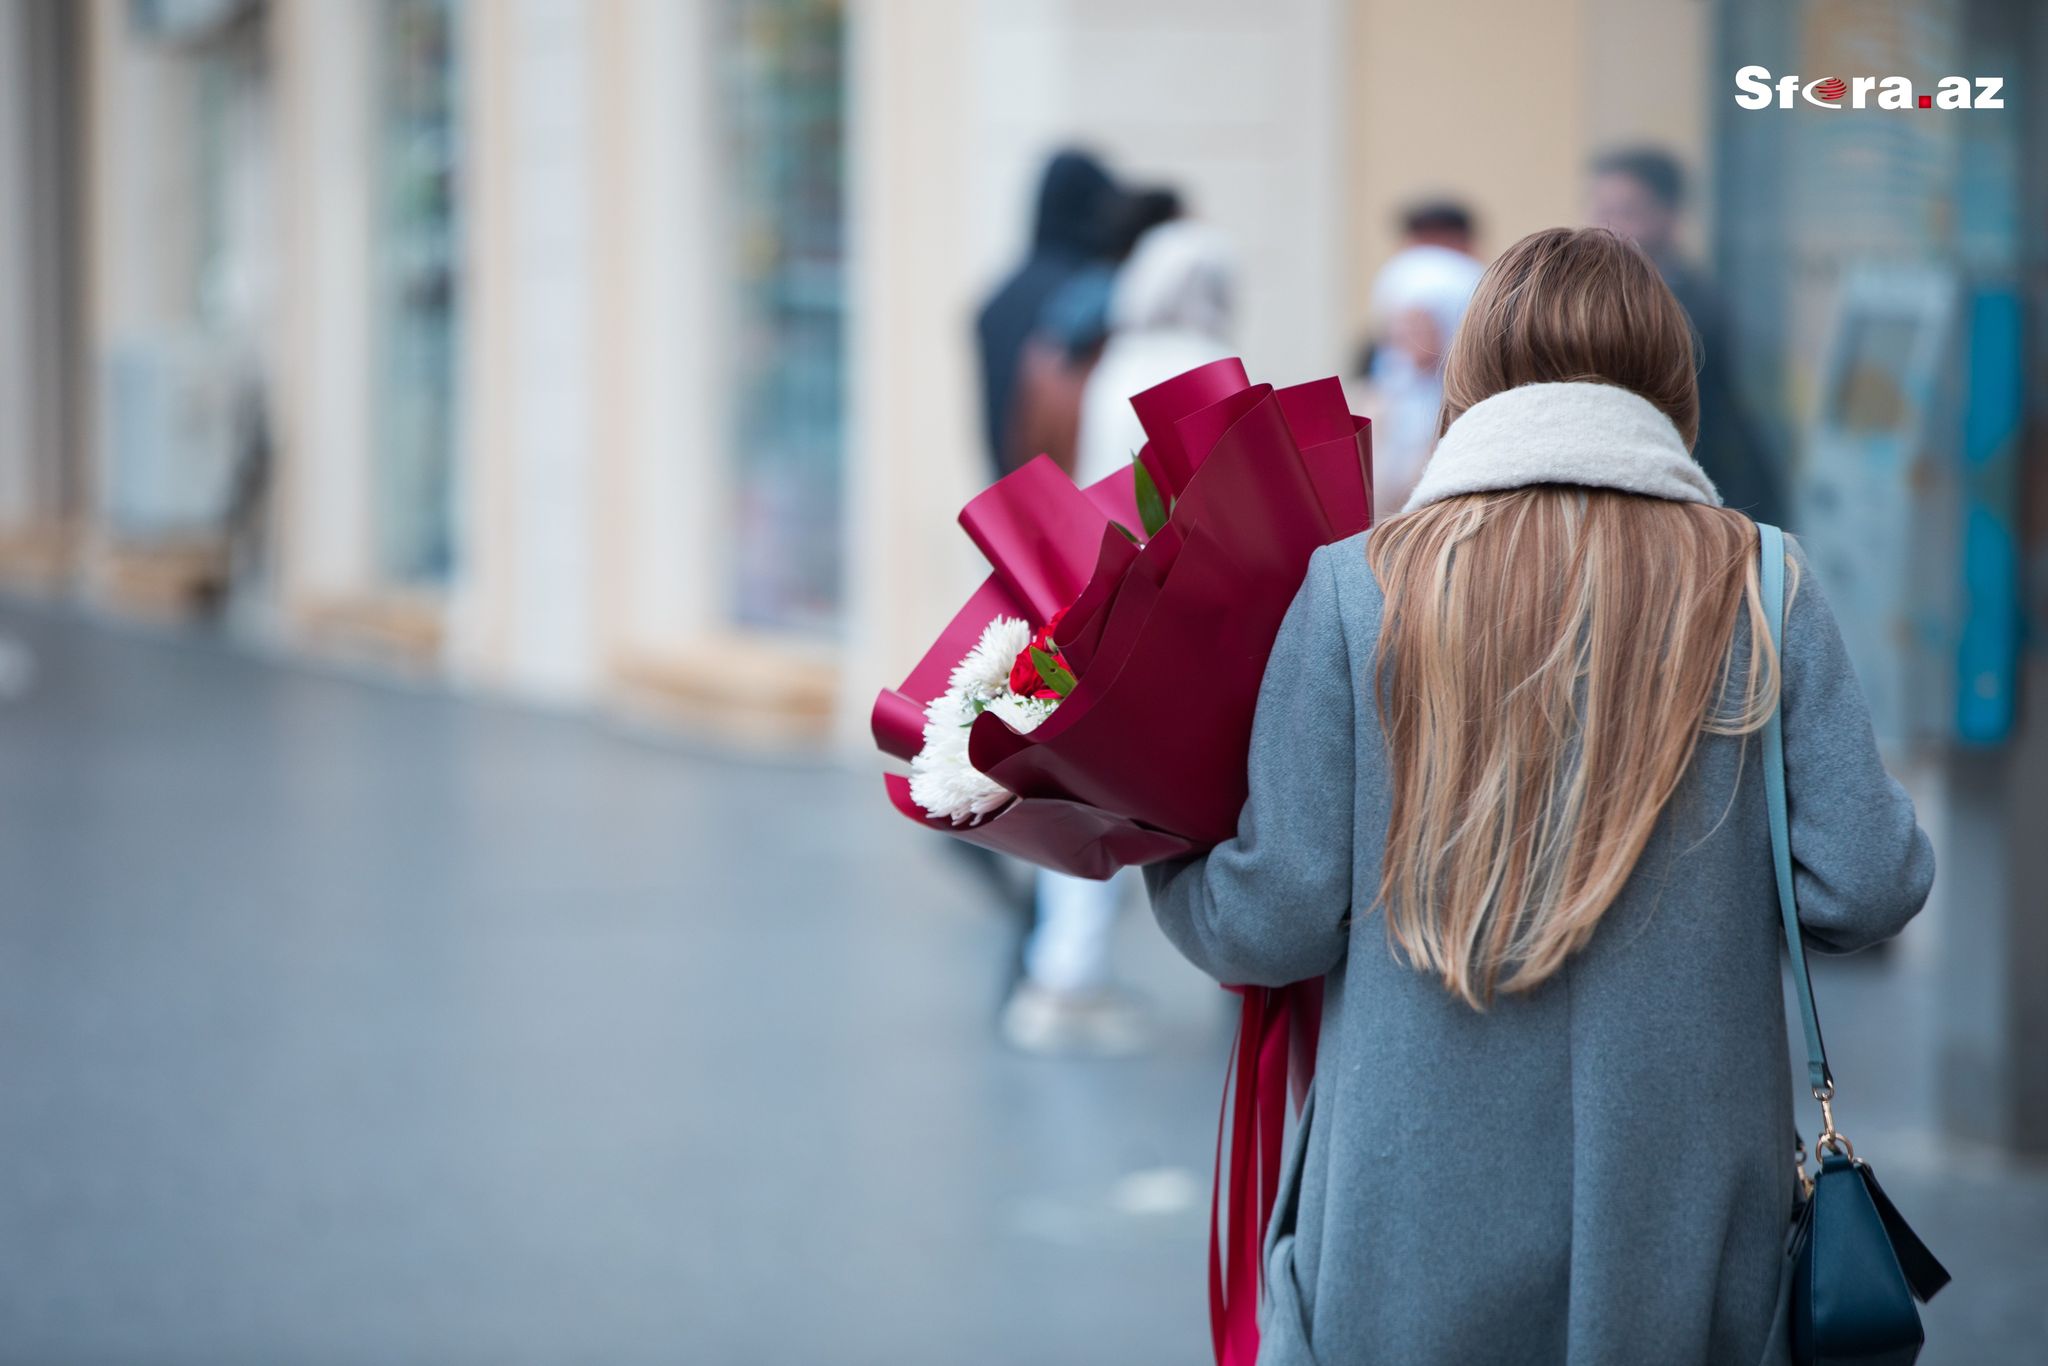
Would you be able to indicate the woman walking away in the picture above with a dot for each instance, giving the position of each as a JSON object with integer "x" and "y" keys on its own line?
{"x": 1506, "y": 793}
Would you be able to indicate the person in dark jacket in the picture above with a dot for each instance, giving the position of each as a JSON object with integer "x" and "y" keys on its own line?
{"x": 1637, "y": 193}
{"x": 1079, "y": 212}
{"x": 1060, "y": 354}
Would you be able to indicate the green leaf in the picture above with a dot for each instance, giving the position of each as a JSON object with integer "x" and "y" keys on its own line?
{"x": 1052, "y": 671}
{"x": 1152, "y": 508}
{"x": 1129, "y": 534}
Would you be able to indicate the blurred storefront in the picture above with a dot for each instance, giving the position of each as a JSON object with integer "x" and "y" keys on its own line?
{"x": 607, "y": 351}
{"x": 1887, "y": 281}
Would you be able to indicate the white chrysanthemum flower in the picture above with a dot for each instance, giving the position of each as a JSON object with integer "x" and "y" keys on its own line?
{"x": 985, "y": 673}
{"x": 942, "y": 778}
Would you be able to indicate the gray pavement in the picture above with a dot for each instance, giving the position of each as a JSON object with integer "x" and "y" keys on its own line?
{"x": 346, "y": 1023}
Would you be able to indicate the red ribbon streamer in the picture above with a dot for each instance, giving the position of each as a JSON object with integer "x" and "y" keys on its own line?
{"x": 1276, "y": 1040}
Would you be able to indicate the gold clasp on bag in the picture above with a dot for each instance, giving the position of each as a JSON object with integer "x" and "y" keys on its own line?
{"x": 1831, "y": 1140}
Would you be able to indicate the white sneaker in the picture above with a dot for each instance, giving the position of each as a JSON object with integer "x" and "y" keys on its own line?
{"x": 1101, "y": 1023}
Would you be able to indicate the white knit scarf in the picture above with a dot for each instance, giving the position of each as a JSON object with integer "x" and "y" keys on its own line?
{"x": 1591, "y": 434}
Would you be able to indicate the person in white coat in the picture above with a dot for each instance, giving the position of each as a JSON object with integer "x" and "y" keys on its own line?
{"x": 1171, "y": 309}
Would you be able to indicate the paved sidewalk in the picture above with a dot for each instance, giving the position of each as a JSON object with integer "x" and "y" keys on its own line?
{"x": 344, "y": 1023}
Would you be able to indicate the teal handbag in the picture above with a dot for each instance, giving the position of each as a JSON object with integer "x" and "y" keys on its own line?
{"x": 1855, "y": 1268}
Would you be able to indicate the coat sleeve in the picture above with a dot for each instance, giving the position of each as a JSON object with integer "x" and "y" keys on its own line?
{"x": 1862, "y": 866}
{"x": 1268, "y": 907}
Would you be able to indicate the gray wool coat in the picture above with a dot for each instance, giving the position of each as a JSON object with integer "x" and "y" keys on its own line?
{"x": 1599, "y": 1171}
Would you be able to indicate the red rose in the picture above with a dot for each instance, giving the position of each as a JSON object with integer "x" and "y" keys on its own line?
{"x": 1024, "y": 679}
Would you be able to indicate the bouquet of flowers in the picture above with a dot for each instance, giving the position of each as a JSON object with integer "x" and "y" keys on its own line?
{"x": 1063, "y": 684}
{"x": 1090, "y": 707}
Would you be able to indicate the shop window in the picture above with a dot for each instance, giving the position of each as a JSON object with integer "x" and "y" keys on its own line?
{"x": 416, "y": 241}
{"x": 783, "y": 97}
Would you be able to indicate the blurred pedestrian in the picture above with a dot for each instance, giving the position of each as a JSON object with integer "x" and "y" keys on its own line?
{"x": 1074, "y": 229}
{"x": 1171, "y": 309}
{"x": 1417, "y": 301}
{"x": 1535, "y": 869}
{"x": 1637, "y": 193}
{"x": 1072, "y": 329}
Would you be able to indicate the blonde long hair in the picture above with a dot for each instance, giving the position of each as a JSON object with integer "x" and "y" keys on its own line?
{"x": 1551, "y": 655}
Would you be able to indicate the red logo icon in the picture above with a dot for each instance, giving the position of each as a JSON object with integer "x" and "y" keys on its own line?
{"x": 1831, "y": 89}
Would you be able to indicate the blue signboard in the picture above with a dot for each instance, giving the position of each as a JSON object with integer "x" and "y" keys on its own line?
{"x": 1988, "y": 644}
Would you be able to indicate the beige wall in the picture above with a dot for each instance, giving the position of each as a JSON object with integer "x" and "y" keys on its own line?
{"x": 1653, "y": 60}
{"x": 323, "y": 68}
{"x": 140, "y": 225}
{"x": 1502, "y": 104}
{"x": 662, "y": 304}
{"x": 529, "y": 462}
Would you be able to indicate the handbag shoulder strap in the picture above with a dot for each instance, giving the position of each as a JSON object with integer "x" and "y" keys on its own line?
{"x": 1771, "y": 542}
